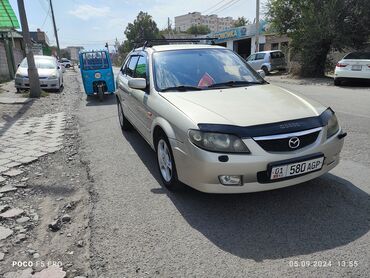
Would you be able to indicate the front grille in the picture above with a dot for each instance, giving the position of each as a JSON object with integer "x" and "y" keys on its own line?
{"x": 278, "y": 144}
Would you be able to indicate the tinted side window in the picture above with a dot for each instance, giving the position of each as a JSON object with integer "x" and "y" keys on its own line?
{"x": 260, "y": 56}
{"x": 130, "y": 69}
{"x": 277, "y": 55}
{"x": 140, "y": 71}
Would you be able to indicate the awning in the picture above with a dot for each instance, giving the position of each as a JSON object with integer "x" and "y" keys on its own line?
{"x": 8, "y": 20}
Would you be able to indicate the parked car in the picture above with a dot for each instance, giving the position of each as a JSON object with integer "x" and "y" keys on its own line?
{"x": 66, "y": 63}
{"x": 218, "y": 126}
{"x": 267, "y": 61}
{"x": 355, "y": 65}
{"x": 50, "y": 73}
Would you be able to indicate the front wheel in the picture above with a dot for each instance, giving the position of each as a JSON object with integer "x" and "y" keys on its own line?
{"x": 100, "y": 93}
{"x": 166, "y": 164}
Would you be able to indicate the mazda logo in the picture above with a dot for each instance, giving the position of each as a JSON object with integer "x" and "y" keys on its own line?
{"x": 294, "y": 142}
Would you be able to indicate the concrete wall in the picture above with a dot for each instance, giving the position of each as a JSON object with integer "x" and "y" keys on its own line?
{"x": 4, "y": 71}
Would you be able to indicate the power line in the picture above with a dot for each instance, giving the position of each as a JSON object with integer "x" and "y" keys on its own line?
{"x": 46, "y": 17}
{"x": 226, "y": 6}
{"x": 213, "y": 6}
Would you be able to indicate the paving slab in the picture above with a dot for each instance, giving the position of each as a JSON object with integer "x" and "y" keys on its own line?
{"x": 12, "y": 173}
{"x": 11, "y": 100}
{"x": 7, "y": 188}
{"x": 12, "y": 213}
{"x": 4, "y": 161}
{"x": 5, "y": 232}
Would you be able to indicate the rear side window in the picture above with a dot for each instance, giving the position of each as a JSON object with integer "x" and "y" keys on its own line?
{"x": 260, "y": 56}
{"x": 358, "y": 56}
{"x": 275, "y": 55}
{"x": 140, "y": 71}
{"x": 130, "y": 69}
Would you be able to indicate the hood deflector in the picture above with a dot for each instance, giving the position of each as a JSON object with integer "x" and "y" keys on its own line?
{"x": 271, "y": 128}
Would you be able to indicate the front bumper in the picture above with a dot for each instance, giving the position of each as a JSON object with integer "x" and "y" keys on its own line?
{"x": 45, "y": 83}
{"x": 200, "y": 169}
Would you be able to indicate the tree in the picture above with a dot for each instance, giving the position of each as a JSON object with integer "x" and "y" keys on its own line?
{"x": 319, "y": 26}
{"x": 143, "y": 27}
{"x": 241, "y": 21}
{"x": 198, "y": 30}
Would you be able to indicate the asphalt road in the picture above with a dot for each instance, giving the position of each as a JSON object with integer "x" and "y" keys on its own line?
{"x": 139, "y": 229}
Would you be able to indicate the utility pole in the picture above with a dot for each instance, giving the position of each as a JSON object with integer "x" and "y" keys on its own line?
{"x": 33, "y": 75}
{"x": 55, "y": 28}
{"x": 257, "y": 25}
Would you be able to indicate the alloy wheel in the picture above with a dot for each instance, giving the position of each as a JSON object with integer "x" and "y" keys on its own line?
{"x": 164, "y": 160}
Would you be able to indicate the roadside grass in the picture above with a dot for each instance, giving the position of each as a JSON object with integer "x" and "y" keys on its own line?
{"x": 26, "y": 94}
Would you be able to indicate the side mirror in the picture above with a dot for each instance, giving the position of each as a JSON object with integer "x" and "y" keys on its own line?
{"x": 137, "y": 83}
{"x": 261, "y": 73}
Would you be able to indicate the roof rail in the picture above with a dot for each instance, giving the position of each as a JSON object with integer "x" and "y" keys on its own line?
{"x": 151, "y": 42}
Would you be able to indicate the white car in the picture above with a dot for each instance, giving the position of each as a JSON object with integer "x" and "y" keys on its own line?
{"x": 50, "y": 74}
{"x": 218, "y": 126}
{"x": 355, "y": 65}
{"x": 66, "y": 63}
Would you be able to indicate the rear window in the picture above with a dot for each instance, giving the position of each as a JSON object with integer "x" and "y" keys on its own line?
{"x": 358, "y": 56}
{"x": 275, "y": 55}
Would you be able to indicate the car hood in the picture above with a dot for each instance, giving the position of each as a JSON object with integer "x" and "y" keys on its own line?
{"x": 246, "y": 106}
{"x": 41, "y": 72}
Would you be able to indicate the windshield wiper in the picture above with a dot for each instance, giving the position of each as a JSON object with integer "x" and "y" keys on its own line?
{"x": 233, "y": 83}
{"x": 181, "y": 88}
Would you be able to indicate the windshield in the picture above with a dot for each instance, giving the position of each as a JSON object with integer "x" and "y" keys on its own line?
{"x": 95, "y": 60}
{"x": 41, "y": 63}
{"x": 201, "y": 69}
{"x": 358, "y": 56}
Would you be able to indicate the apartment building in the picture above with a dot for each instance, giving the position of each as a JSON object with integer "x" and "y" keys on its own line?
{"x": 214, "y": 23}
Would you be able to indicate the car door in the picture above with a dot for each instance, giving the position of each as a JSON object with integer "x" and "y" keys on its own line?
{"x": 126, "y": 73}
{"x": 141, "y": 98}
{"x": 260, "y": 58}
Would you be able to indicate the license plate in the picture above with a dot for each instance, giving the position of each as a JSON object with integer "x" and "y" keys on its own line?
{"x": 297, "y": 168}
{"x": 356, "y": 67}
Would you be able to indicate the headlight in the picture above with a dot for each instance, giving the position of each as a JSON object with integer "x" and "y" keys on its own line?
{"x": 97, "y": 75}
{"x": 217, "y": 142}
{"x": 53, "y": 76}
{"x": 333, "y": 126}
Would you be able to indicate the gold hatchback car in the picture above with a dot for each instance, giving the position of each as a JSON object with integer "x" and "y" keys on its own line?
{"x": 218, "y": 126}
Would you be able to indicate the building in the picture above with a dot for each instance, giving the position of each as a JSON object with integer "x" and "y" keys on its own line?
{"x": 40, "y": 37}
{"x": 213, "y": 22}
{"x": 242, "y": 40}
{"x": 11, "y": 42}
{"x": 74, "y": 52}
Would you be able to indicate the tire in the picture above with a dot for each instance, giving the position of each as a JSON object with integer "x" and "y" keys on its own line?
{"x": 337, "y": 82}
{"x": 123, "y": 122}
{"x": 265, "y": 69}
{"x": 100, "y": 94}
{"x": 166, "y": 164}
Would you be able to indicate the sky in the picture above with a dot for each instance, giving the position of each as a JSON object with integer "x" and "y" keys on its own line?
{"x": 92, "y": 23}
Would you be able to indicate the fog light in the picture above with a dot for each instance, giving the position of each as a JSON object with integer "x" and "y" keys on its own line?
{"x": 231, "y": 180}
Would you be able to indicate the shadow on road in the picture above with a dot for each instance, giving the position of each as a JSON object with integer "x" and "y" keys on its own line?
{"x": 318, "y": 215}
{"x": 94, "y": 100}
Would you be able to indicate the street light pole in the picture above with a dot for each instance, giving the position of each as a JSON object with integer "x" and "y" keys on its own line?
{"x": 257, "y": 24}
{"x": 55, "y": 29}
{"x": 33, "y": 75}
